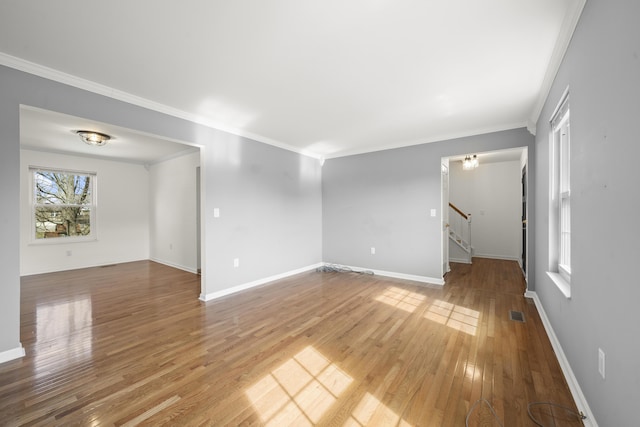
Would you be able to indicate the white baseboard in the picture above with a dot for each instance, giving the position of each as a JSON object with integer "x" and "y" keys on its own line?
{"x": 572, "y": 381}
{"x": 178, "y": 266}
{"x": 92, "y": 265}
{"x": 260, "y": 282}
{"x": 14, "y": 353}
{"x": 415, "y": 278}
{"x": 491, "y": 256}
{"x": 459, "y": 260}
{"x": 255, "y": 283}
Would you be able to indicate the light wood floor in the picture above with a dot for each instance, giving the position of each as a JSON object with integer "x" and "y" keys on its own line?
{"x": 131, "y": 344}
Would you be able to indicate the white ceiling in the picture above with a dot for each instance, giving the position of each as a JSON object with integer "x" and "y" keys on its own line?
{"x": 44, "y": 130}
{"x": 326, "y": 78}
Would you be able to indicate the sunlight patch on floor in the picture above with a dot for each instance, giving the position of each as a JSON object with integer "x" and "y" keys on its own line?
{"x": 66, "y": 325}
{"x": 454, "y": 316}
{"x": 299, "y": 391}
{"x": 370, "y": 411}
{"x": 401, "y": 298}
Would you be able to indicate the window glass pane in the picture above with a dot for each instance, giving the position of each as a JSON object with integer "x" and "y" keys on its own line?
{"x": 62, "y": 188}
{"x": 57, "y": 221}
{"x": 564, "y": 158}
{"x": 560, "y": 190}
{"x": 63, "y": 204}
{"x": 565, "y": 233}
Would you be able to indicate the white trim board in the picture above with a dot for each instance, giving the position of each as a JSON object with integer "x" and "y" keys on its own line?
{"x": 415, "y": 278}
{"x": 107, "y": 264}
{"x": 562, "y": 44}
{"x": 178, "y": 266}
{"x": 260, "y": 282}
{"x": 14, "y": 353}
{"x": 572, "y": 381}
{"x": 100, "y": 89}
{"x": 501, "y": 257}
{"x": 256, "y": 283}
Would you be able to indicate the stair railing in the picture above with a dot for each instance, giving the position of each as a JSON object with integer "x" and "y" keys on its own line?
{"x": 460, "y": 228}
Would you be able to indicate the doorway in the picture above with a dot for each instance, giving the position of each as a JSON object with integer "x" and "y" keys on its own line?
{"x": 493, "y": 195}
{"x": 524, "y": 220}
{"x": 445, "y": 216}
{"x": 136, "y": 170}
{"x": 198, "y": 225}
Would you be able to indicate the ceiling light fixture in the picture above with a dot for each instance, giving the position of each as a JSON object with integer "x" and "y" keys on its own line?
{"x": 93, "y": 138}
{"x": 470, "y": 162}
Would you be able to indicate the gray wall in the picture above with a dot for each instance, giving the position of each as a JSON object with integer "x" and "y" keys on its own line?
{"x": 602, "y": 68}
{"x": 269, "y": 198}
{"x": 270, "y": 211}
{"x": 9, "y": 218}
{"x": 383, "y": 199}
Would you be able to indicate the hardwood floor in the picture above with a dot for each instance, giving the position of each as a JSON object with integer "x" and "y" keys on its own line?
{"x": 131, "y": 344}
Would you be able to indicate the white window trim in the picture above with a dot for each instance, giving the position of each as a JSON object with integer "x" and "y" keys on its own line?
{"x": 561, "y": 283}
{"x": 559, "y": 274}
{"x": 93, "y": 235}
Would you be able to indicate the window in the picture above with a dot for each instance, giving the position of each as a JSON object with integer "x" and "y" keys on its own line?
{"x": 63, "y": 204}
{"x": 560, "y": 215}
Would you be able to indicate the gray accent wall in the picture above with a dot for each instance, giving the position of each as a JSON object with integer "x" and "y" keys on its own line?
{"x": 384, "y": 200}
{"x": 602, "y": 70}
{"x": 269, "y": 198}
{"x": 9, "y": 217}
{"x": 270, "y": 211}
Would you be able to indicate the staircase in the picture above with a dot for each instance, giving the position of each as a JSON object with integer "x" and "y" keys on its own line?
{"x": 460, "y": 231}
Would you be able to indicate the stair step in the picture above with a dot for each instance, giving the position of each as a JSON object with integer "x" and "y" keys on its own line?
{"x": 464, "y": 245}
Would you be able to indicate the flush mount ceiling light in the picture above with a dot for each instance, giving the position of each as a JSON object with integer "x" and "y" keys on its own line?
{"x": 93, "y": 138}
{"x": 470, "y": 162}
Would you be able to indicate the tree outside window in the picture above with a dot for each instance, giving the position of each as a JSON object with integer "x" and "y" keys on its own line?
{"x": 64, "y": 204}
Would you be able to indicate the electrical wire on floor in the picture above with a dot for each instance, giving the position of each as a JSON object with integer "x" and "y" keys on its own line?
{"x": 337, "y": 268}
{"x": 579, "y": 415}
{"x": 473, "y": 407}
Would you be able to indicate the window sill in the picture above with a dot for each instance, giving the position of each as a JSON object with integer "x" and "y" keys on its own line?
{"x": 62, "y": 240}
{"x": 561, "y": 283}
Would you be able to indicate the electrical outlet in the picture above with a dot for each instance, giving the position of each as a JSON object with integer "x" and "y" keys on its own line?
{"x": 601, "y": 363}
{"x": 69, "y": 253}
{"x": 373, "y": 251}
{"x": 216, "y": 212}
{"x": 236, "y": 262}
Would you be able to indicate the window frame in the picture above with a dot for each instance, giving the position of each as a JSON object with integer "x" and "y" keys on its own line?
{"x": 92, "y": 206}
{"x": 564, "y": 200}
{"x": 560, "y": 196}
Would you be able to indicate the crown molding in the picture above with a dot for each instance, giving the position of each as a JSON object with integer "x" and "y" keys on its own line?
{"x": 562, "y": 44}
{"x": 438, "y": 138}
{"x": 100, "y": 89}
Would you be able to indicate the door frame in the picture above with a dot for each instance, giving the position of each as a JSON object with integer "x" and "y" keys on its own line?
{"x": 444, "y": 185}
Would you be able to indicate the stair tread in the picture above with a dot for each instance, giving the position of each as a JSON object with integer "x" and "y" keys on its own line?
{"x": 464, "y": 245}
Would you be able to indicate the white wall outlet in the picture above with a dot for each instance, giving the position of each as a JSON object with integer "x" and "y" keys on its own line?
{"x": 69, "y": 253}
{"x": 170, "y": 246}
{"x": 433, "y": 212}
{"x": 601, "y": 362}
{"x": 216, "y": 212}
{"x": 373, "y": 250}
{"x": 236, "y": 262}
